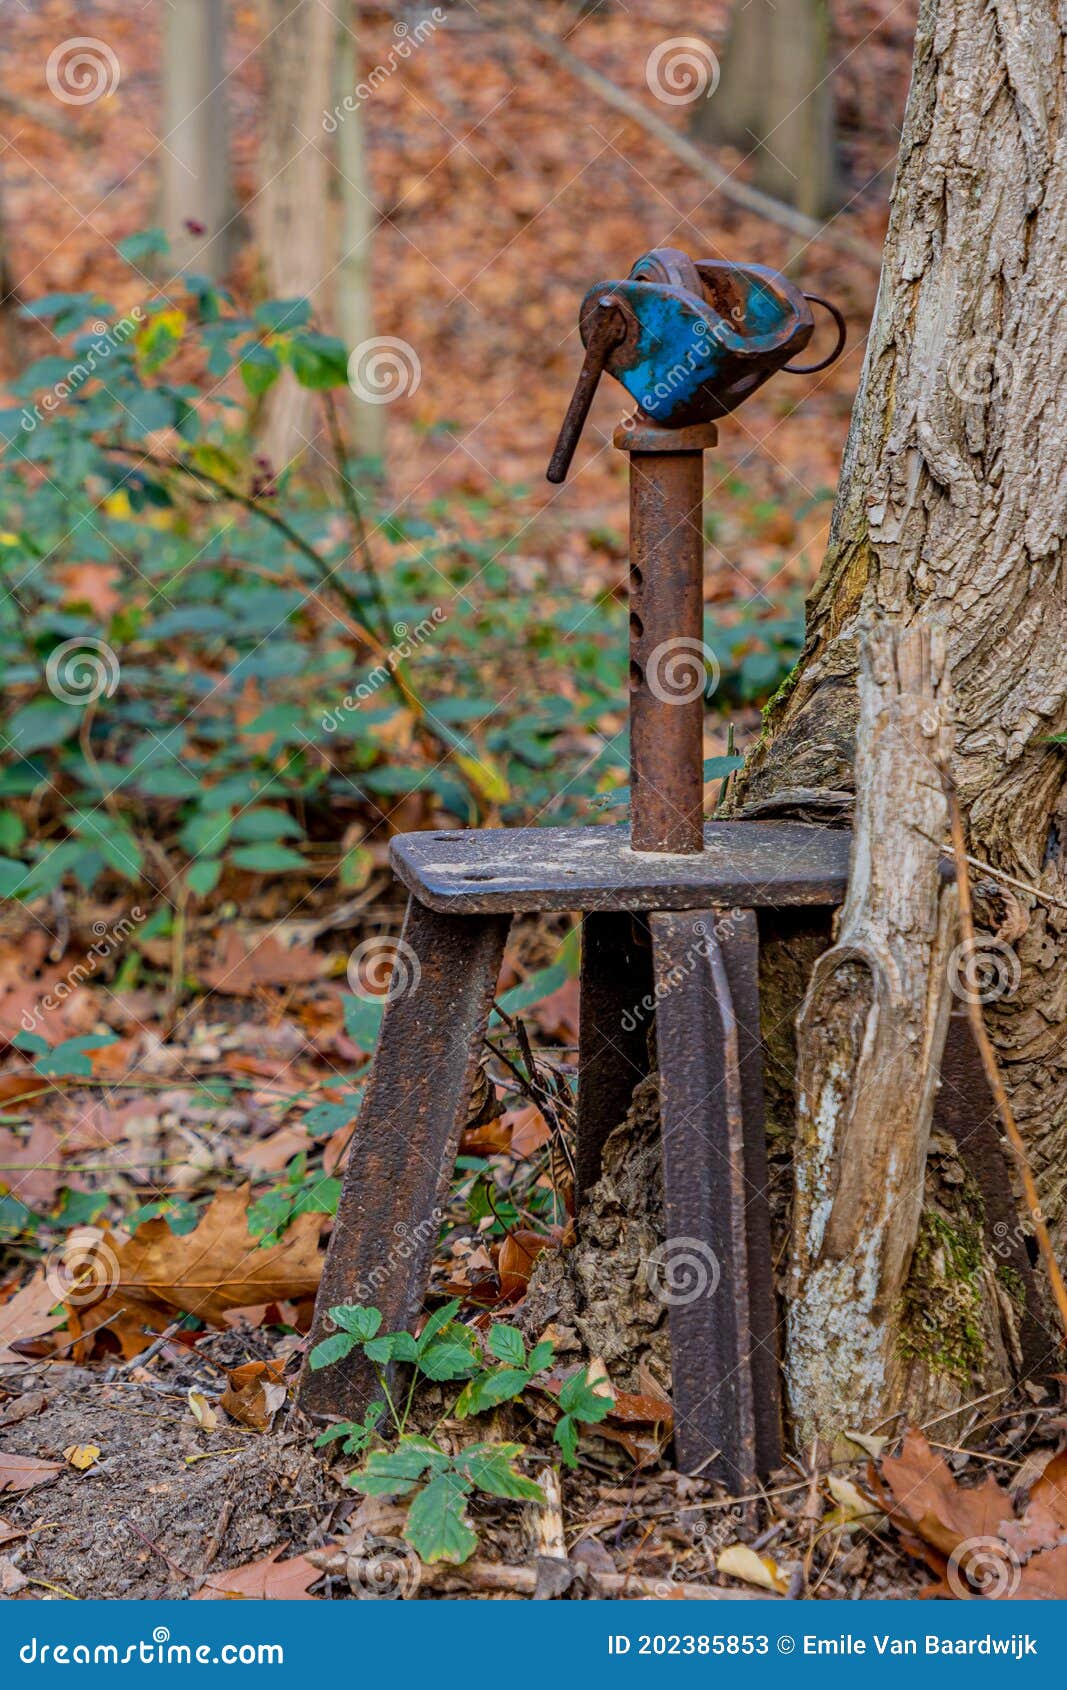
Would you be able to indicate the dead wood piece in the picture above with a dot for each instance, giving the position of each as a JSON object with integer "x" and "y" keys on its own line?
{"x": 870, "y": 1035}
{"x": 491, "y": 1577}
{"x": 555, "y": 1575}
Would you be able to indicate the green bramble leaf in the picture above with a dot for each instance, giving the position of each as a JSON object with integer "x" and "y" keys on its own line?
{"x": 491, "y": 1467}
{"x": 394, "y": 1472}
{"x": 506, "y": 1343}
{"x": 363, "y": 1323}
{"x": 436, "y": 1527}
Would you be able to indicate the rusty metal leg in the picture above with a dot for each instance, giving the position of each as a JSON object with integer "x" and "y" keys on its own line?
{"x": 738, "y": 938}
{"x": 702, "y": 1266}
{"x": 405, "y": 1141}
{"x": 666, "y": 639}
{"x": 616, "y": 1009}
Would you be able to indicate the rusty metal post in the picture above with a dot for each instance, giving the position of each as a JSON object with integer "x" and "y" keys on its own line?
{"x": 667, "y": 664}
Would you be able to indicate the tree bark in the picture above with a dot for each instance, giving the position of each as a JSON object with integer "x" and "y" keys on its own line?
{"x": 197, "y": 195}
{"x": 775, "y": 99}
{"x": 300, "y": 40}
{"x": 950, "y": 510}
{"x": 358, "y": 217}
{"x": 870, "y": 1037}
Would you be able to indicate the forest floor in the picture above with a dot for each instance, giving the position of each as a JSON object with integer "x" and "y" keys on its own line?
{"x": 124, "y": 1472}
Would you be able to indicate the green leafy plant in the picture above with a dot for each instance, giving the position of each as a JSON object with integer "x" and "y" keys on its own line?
{"x": 446, "y": 1350}
{"x": 436, "y": 1527}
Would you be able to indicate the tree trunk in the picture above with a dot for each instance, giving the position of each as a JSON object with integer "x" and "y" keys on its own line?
{"x": 775, "y": 98}
{"x": 870, "y": 1038}
{"x": 950, "y": 510}
{"x": 299, "y": 46}
{"x": 197, "y": 198}
{"x": 355, "y": 281}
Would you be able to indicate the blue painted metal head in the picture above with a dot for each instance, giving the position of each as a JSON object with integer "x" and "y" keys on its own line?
{"x": 688, "y": 341}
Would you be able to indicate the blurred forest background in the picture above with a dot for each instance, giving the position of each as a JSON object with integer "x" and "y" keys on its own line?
{"x": 289, "y": 323}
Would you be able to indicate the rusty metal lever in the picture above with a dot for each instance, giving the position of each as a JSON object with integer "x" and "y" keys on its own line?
{"x": 609, "y": 328}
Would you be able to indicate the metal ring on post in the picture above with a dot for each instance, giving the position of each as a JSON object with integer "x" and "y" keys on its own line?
{"x": 810, "y": 369}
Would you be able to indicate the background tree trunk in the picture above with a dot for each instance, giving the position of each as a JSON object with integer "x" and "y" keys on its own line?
{"x": 196, "y": 178}
{"x": 775, "y": 98}
{"x": 357, "y": 218}
{"x": 951, "y": 509}
{"x": 300, "y": 42}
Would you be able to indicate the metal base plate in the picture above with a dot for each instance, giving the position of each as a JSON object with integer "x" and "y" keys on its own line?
{"x": 753, "y": 864}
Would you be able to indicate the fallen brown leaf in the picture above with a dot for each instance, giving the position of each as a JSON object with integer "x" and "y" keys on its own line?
{"x": 211, "y": 1270}
{"x": 29, "y": 1167}
{"x": 529, "y": 1130}
{"x": 516, "y": 1257}
{"x": 269, "y": 1580}
{"x": 254, "y": 1394}
{"x": 271, "y": 1155}
{"x": 28, "y": 1314}
{"x": 240, "y": 972}
{"x": 12, "y": 1580}
{"x": 23, "y": 1407}
{"x": 20, "y": 1083}
{"x": 26, "y": 1472}
{"x": 928, "y": 1501}
{"x": 642, "y": 1410}
{"x": 971, "y": 1537}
